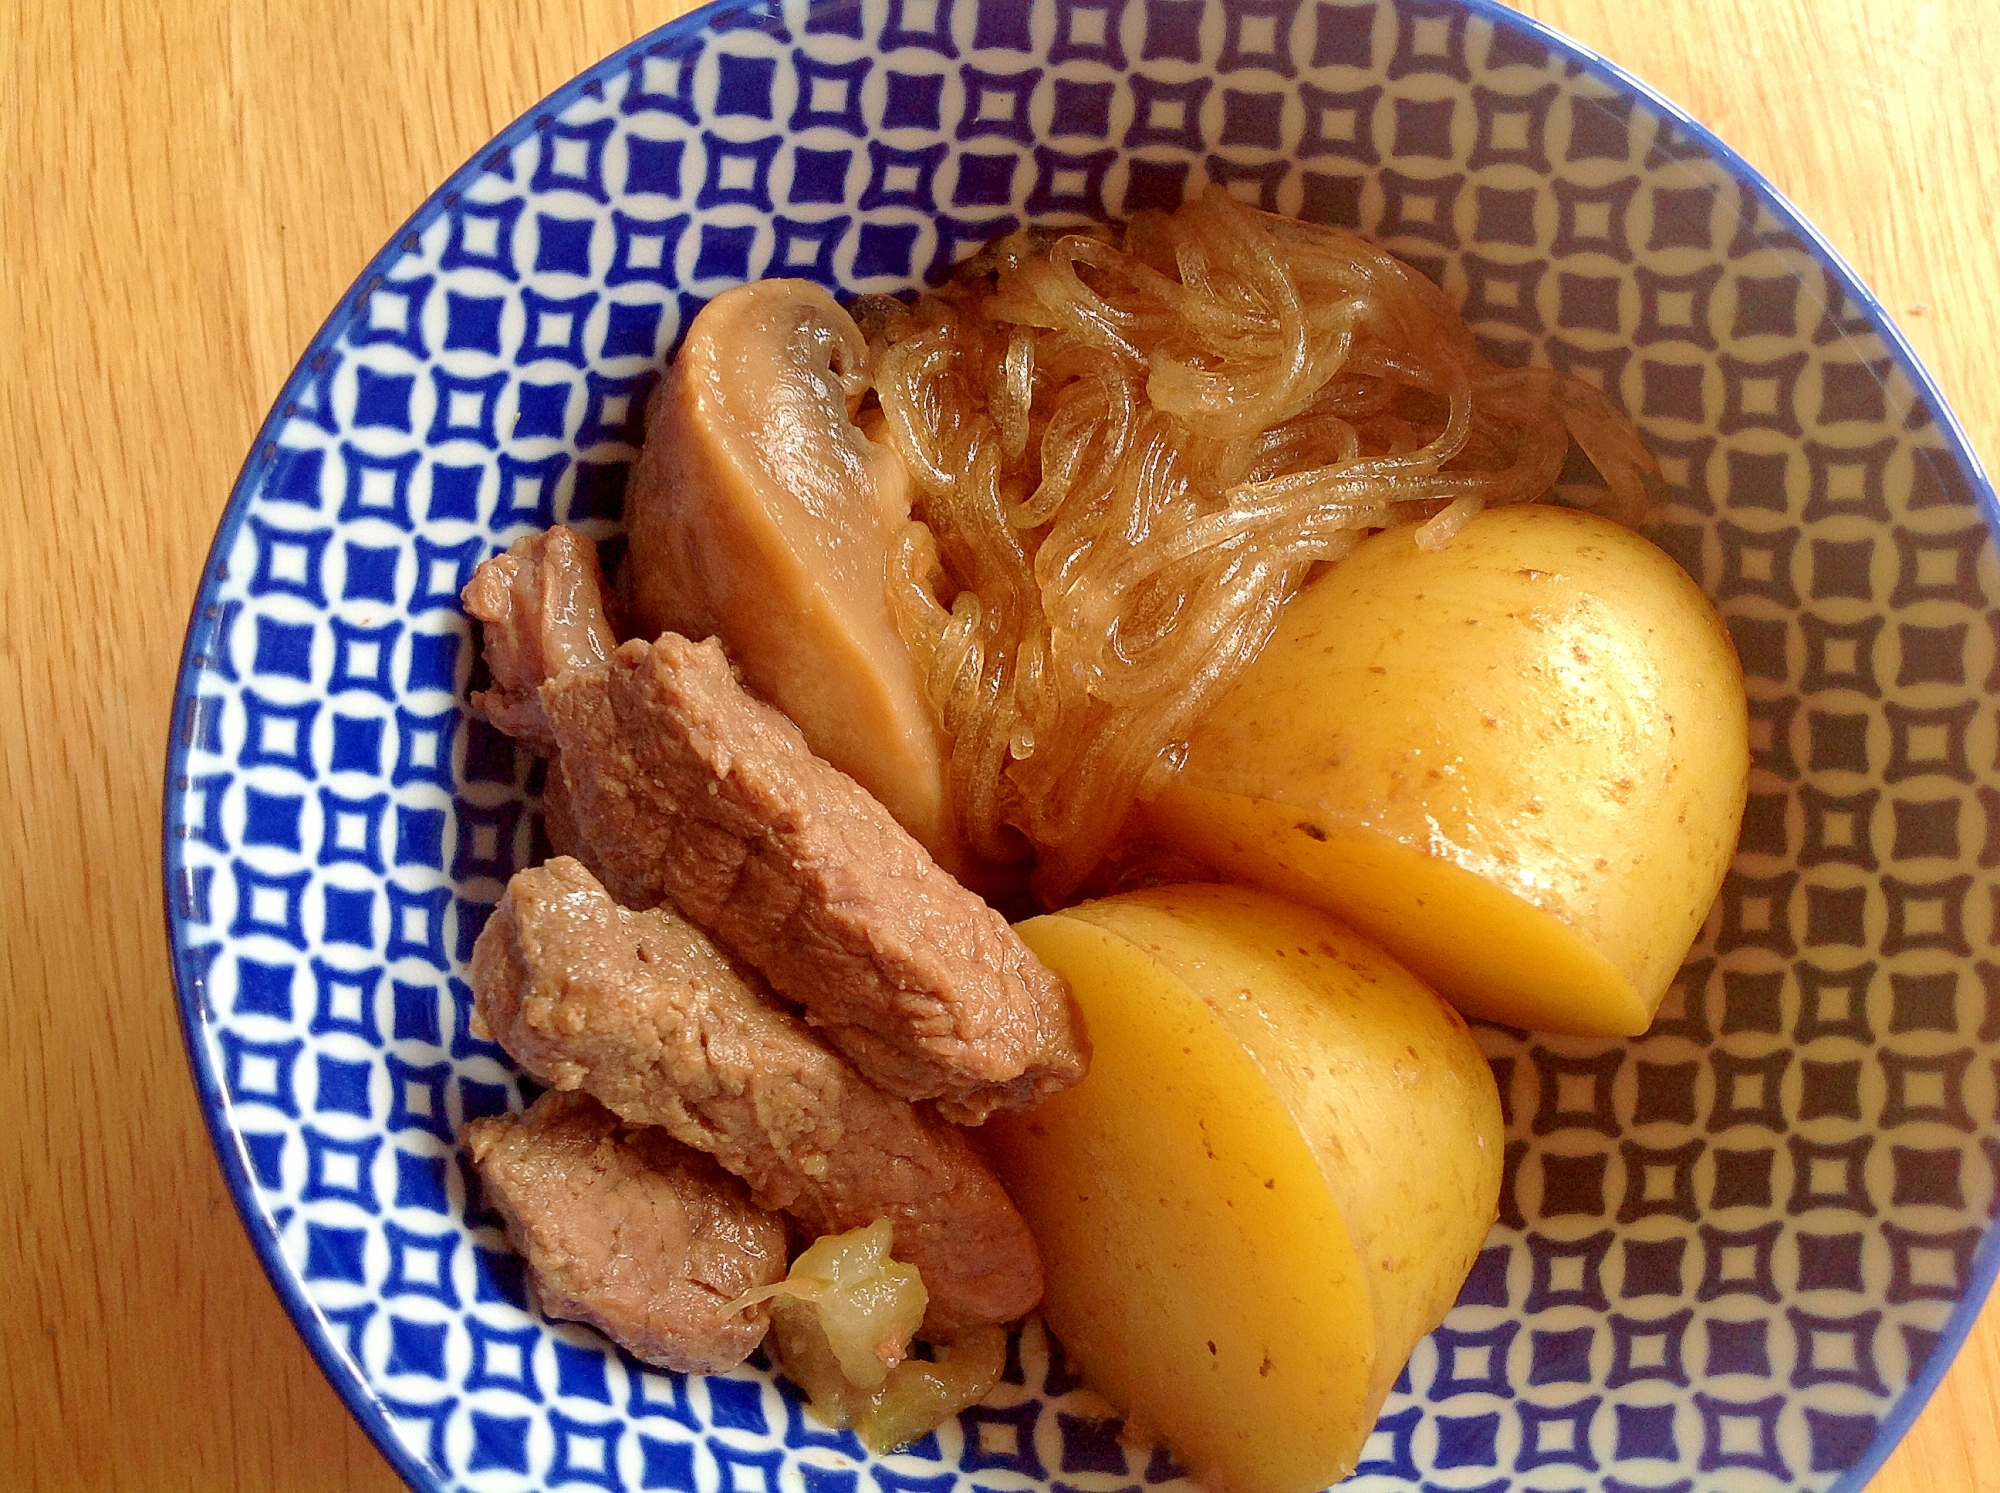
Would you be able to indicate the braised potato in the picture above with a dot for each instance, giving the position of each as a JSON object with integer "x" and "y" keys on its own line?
{"x": 1518, "y": 762}
{"x": 1269, "y": 1187}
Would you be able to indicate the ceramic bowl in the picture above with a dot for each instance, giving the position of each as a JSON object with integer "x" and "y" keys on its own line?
{"x": 1733, "y": 1254}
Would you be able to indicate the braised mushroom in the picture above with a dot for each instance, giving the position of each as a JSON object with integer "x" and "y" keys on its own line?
{"x": 760, "y": 514}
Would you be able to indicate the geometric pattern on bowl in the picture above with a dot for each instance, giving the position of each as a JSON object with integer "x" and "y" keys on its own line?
{"x": 1733, "y": 1254}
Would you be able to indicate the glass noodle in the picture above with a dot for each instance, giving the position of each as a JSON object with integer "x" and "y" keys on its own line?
{"x": 1127, "y": 457}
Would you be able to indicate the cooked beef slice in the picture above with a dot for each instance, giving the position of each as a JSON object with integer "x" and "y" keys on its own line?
{"x": 542, "y": 610}
{"x": 559, "y": 821}
{"x": 689, "y": 790}
{"x": 627, "y": 1229}
{"x": 640, "y": 1010}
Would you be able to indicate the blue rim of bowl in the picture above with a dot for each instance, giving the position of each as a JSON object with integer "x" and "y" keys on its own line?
{"x": 364, "y": 1402}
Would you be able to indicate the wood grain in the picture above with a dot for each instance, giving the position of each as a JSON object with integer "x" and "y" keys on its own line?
{"x": 190, "y": 187}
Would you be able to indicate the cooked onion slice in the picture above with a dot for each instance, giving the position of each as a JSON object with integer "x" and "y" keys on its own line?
{"x": 842, "y": 1321}
{"x": 916, "y": 1395}
{"x": 867, "y": 1305}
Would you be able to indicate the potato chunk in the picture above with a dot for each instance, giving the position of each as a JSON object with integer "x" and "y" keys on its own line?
{"x": 1519, "y": 763}
{"x": 1268, "y": 1188}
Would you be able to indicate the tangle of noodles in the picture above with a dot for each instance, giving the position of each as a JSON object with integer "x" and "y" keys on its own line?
{"x": 1127, "y": 457}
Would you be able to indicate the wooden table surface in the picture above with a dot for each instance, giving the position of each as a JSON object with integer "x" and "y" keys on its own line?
{"x": 190, "y": 186}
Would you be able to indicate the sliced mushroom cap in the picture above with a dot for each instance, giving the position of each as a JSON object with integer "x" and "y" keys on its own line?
{"x": 761, "y": 515}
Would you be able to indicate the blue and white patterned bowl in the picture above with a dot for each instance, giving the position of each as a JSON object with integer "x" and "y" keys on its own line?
{"x": 1734, "y": 1254}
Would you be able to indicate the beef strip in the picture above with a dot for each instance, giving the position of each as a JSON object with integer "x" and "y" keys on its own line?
{"x": 542, "y": 606}
{"x": 559, "y": 822}
{"x": 688, "y": 790}
{"x": 640, "y": 1010}
{"x": 626, "y": 1229}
